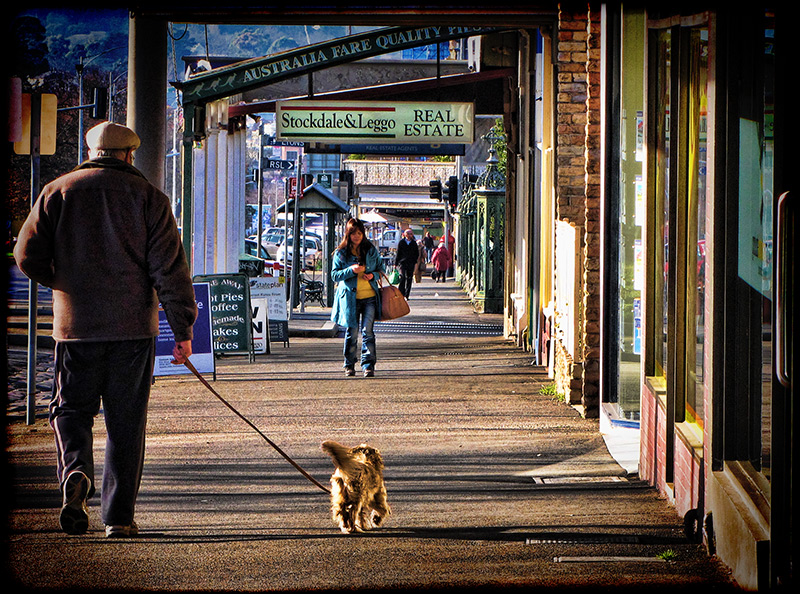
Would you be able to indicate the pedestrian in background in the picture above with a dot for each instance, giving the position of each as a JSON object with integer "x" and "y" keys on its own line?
{"x": 405, "y": 260}
{"x": 430, "y": 244}
{"x": 450, "y": 242}
{"x": 356, "y": 305}
{"x": 441, "y": 262}
{"x": 421, "y": 262}
{"x": 105, "y": 240}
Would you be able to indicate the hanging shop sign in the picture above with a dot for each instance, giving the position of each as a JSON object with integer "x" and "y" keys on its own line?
{"x": 370, "y": 121}
{"x": 258, "y": 72}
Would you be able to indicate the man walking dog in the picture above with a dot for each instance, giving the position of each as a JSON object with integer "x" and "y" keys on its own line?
{"x": 105, "y": 240}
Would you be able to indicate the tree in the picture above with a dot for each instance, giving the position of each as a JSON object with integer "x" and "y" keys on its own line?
{"x": 28, "y": 48}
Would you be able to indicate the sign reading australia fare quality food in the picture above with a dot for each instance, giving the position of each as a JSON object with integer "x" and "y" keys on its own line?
{"x": 367, "y": 121}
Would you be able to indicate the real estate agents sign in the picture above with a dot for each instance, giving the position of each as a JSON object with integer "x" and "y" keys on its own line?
{"x": 368, "y": 121}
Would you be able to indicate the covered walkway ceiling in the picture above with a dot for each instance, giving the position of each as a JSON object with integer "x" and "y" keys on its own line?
{"x": 486, "y": 89}
{"x": 519, "y": 14}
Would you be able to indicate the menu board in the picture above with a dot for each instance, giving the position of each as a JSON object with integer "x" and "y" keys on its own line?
{"x": 231, "y": 328}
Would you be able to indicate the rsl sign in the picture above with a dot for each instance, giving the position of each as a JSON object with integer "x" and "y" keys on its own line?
{"x": 368, "y": 121}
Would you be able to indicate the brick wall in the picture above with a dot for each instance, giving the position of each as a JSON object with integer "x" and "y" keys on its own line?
{"x": 578, "y": 175}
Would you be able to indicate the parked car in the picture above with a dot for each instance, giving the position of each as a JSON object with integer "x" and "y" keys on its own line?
{"x": 312, "y": 251}
{"x": 272, "y": 241}
{"x": 388, "y": 240}
{"x": 251, "y": 249}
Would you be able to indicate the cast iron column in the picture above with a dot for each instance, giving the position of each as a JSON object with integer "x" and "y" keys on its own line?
{"x": 147, "y": 94}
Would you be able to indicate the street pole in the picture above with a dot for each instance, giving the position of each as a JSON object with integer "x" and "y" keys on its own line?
{"x": 295, "y": 235}
{"x": 33, "y": 286}
{"x": 260, "y": 186}
{"x": 79, "y": 68}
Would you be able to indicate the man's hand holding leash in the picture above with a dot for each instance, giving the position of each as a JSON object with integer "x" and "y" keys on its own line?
{"x": 181, "y": 352}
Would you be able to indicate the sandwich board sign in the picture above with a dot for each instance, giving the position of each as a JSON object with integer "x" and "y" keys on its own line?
{"x": 230, "y": 313}
{"x": 202, "y": 354}
{"x": 270, "y": 313}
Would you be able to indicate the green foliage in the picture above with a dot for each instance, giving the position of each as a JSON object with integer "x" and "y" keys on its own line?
{"x": 501, "y": 147}
{"x": 552, "y": 390}
{"x": 668, "y": 555}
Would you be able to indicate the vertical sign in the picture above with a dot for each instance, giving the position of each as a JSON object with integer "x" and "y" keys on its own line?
{"x": 230, "y": 313}
{"x": 202, "y": 353}
{"x": 270, "y": 312}
{"x": 48, "y": 109}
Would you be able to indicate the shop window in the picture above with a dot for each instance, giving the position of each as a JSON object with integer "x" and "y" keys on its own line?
{"x": 678, "y": 192}
{"x": 749, "y": 385}
{"x": 626, "y": 214}
{"x": 660, "y": 192}
{"x": 695, "y": 245}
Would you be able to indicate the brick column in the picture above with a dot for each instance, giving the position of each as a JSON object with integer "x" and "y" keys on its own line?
{"x": 571, "y": 117}
{"x": 591, "y": 266}
{"x": 578, "y": 188}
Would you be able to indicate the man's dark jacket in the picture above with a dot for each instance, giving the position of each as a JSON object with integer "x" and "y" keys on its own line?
{"x": 106, "y": 241}
{"x": 407, "y": 254}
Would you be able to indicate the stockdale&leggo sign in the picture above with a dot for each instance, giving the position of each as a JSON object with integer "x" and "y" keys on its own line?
{"x": 368, "y": 121}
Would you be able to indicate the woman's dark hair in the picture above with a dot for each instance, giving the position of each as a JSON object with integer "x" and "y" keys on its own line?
{"x": 363, "y": 248}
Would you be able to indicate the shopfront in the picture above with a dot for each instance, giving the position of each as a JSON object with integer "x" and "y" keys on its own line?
{"x": 691, "y": 352}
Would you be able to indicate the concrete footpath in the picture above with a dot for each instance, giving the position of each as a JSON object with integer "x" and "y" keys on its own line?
{"x": 492, "y": 483}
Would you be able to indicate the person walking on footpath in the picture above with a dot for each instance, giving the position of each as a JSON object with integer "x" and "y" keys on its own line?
{"x": 356, "y": 305}
{"x": 421, "y": 262}
{"x": 430, "y": 244}
{"x": 441, "y": 262}
{"x": 406, "y": 260}
{"x": 105, "y": 240}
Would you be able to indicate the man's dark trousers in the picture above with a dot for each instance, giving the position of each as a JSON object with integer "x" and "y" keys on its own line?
{"x": 406, "y": 278}
{"x": 118, "y": 373}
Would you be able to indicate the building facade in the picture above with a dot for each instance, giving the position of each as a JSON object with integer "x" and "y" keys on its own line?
{"x": 671, "y": 174}
{"x": 648, "y": 241}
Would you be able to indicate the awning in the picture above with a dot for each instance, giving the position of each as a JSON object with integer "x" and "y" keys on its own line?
{"x": 316, "y": 198}
{"x": 372, "y": 217}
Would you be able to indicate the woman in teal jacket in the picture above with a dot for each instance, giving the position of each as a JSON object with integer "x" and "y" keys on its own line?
{"x": 357, "y": 304}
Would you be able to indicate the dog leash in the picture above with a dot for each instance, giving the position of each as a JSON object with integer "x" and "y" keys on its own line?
{"x": 191, "y": 368}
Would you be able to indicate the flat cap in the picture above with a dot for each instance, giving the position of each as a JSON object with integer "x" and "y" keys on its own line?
{"x": 109, "y": 135}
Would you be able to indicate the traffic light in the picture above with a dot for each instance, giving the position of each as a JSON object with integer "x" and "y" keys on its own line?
{"x": 100, "y": 107}
{"x": 450, "y": 192}
{"x": 435, "y": 189}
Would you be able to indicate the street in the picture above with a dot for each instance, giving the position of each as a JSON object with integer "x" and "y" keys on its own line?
{"x": 491, "y": 483}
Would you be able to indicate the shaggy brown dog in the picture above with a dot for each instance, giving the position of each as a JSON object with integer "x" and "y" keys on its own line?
{"x": 358, "y": 495}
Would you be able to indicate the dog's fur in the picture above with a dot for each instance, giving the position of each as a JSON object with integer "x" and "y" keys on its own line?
{"x": 358, "y": 494}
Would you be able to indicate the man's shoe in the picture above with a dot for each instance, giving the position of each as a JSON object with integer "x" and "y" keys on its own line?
{"x": 127, "y": 531}
{"x": 369, "y": 373}
{"x": 349, "y": 371}
{"x": 74, "y": 518}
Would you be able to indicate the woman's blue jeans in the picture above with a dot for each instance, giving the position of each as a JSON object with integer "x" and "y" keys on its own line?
{"x": 366, "y": 310}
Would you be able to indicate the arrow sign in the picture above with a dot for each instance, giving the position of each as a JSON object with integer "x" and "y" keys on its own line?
{"x": 278, "y": 164}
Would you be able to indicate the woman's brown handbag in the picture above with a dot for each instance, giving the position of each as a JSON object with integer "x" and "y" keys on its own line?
{"x": 393, "y": 304}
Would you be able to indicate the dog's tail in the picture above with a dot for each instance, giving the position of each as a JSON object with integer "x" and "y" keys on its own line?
{"x": 342, "y": 458}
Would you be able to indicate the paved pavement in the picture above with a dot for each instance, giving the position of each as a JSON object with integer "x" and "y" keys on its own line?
{"x": 492, "y": 484}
